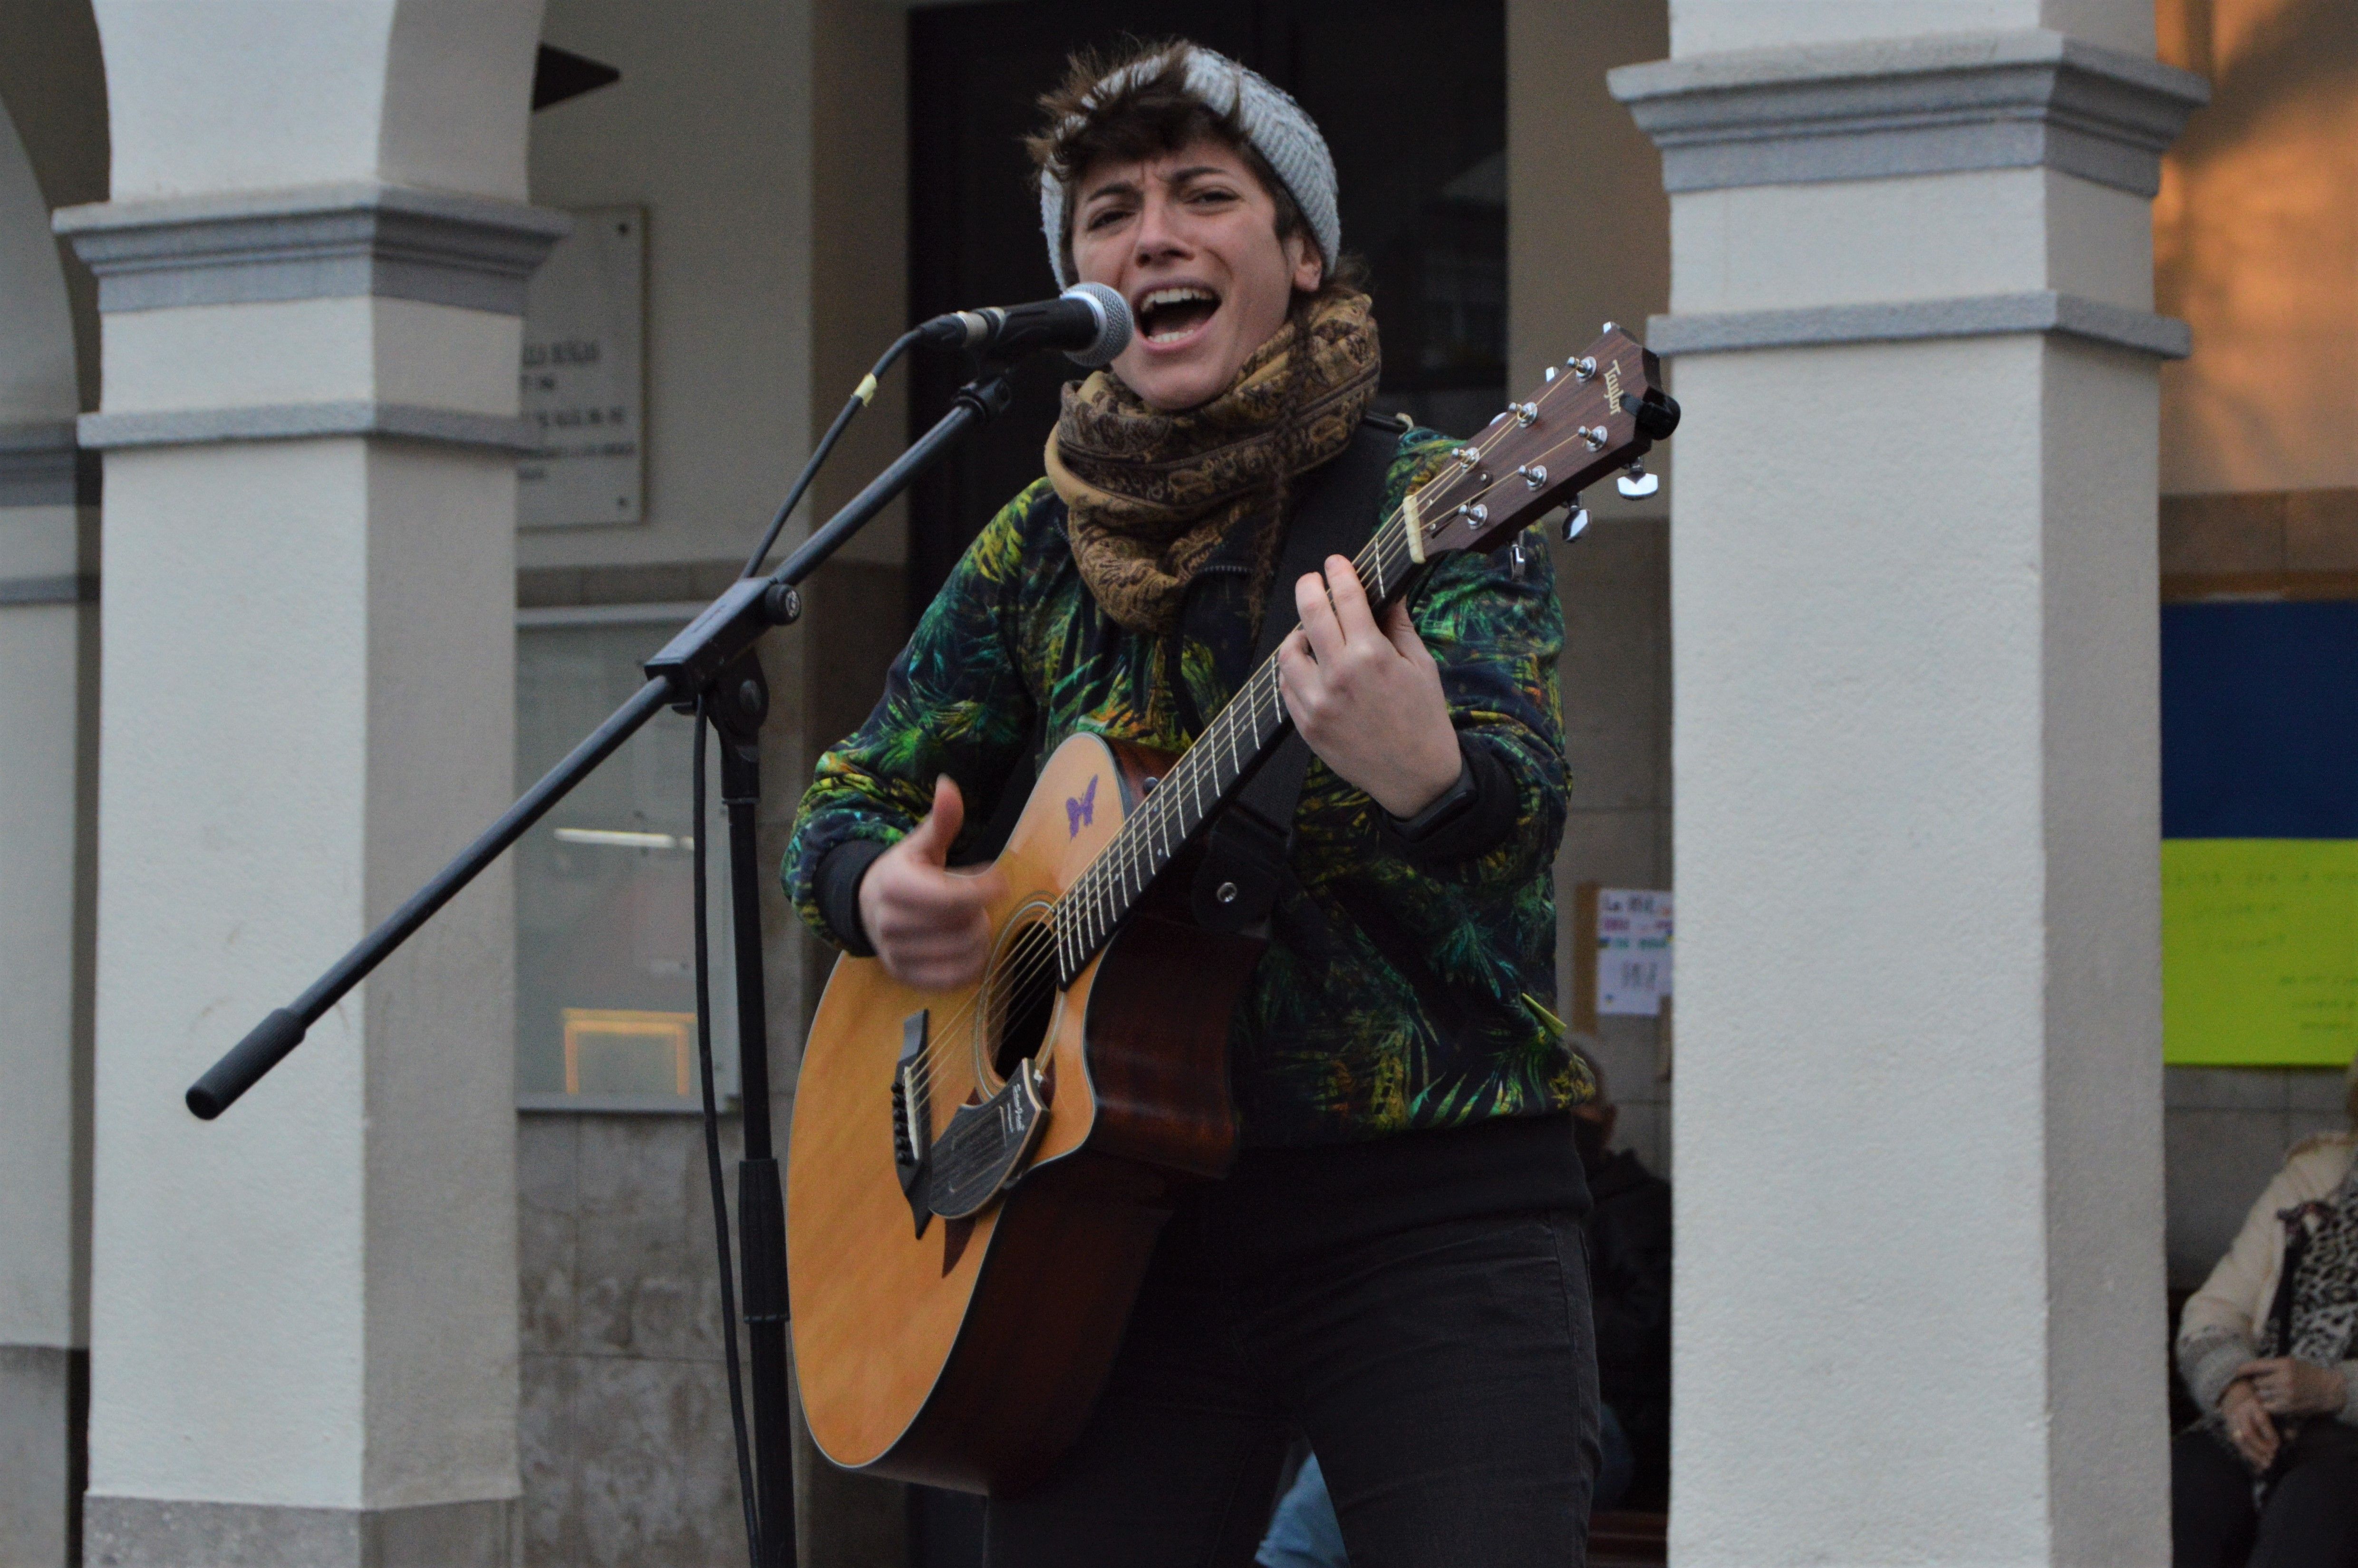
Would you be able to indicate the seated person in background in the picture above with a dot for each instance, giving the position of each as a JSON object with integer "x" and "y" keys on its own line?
{"x": 1630, "y": 1274}
{"x": 2267, "y": 1346}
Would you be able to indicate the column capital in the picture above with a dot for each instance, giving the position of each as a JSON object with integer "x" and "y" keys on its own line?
{"x": 321, "y": 242}
{"x": 1936, "y": 104}
{"x": 303, "y": 421}
{"x": 1899, "y": 321}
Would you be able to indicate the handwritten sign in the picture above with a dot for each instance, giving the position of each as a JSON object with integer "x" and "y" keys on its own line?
{"x": 2259, "y": 952}
{"x": 582, "y": 378}
{"x": 1633, "y": 951}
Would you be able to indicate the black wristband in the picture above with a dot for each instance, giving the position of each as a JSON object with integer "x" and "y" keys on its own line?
{"x": 1471, "y": 817}
{"x": 838, "y": 890}
{"x": 1444, "y": 808}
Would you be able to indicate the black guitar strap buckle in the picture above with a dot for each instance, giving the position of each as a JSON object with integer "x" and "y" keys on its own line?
{"x": 1235, "y": 882}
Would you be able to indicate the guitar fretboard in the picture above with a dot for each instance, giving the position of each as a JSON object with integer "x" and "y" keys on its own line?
{"x": 1254, "y": 720}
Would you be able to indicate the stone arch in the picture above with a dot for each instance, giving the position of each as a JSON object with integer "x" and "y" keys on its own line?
{"x": 53, "y": 92}
{"x": 39, "y": 379}
{"x": 252, "y": 95}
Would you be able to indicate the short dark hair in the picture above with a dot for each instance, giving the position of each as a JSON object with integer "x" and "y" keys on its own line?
{"x": 1152, "y": 114}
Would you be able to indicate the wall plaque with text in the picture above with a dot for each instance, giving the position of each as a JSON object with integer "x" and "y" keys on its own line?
{"x": 583, "y": 377}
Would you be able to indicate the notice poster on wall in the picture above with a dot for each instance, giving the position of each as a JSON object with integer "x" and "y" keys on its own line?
{"x": 582, "y": 377}
{"x": 1633, "y": 951}
{"x": 2259, "y": 952}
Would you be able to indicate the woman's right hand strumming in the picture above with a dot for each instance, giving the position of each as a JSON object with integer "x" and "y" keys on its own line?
{"x": 930, "y": 925}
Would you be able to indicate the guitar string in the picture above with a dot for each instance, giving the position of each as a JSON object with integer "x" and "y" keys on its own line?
{"x": 1263, "y": 683}
{"x": 1125, "y": 849}
{"x": 1093, "y": 885}
{"x": 1123, "y": 853}
{"x": 1161, "y": 829}
{"x": 1125, "y": 857}
{"x": 1027, "y": 967}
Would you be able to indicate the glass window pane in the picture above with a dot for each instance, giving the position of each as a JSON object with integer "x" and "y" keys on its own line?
{"x": 605, "y": 977}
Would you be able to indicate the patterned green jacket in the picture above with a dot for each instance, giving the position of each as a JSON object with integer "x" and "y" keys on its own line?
{"x": 1405, "y": 985}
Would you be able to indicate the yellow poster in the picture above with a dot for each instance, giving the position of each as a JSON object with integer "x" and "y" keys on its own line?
{"x": 2259, "y": 952}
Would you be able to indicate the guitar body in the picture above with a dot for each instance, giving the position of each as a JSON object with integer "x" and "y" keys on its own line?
{"x": 968, "y": 1353}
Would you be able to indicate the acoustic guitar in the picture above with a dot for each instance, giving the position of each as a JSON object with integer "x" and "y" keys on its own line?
{"x": 977, "y": 1177}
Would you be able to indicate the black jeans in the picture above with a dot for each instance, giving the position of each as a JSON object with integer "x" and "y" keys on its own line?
{"x": 2309, "y": 1518}
{"x": 1433, "y": 1346}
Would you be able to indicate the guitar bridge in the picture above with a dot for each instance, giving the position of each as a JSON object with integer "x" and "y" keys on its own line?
{"x": 913, "y": 1122}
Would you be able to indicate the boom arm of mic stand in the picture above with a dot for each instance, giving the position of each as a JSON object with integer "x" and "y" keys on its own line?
{"x": 977, "y": 401}
{"x": 280, "y": 1033}
{"x": 728, "y": 626}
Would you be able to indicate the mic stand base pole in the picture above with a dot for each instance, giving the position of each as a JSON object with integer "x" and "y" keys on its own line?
{"x": 738, "y": 698}
{"x": 739, "y": 701}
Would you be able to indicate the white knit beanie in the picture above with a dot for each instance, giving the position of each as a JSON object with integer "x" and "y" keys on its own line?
{"x": 1272, "y": 122}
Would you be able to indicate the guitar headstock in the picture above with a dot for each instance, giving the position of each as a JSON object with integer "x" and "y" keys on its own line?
{"x": 1600, "y": 410}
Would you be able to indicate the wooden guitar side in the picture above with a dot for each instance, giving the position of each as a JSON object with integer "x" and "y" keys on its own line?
{"x": 969, "y": 1356}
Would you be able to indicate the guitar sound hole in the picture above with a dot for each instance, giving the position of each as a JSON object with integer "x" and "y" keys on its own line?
{"x": 1023, "y": 997}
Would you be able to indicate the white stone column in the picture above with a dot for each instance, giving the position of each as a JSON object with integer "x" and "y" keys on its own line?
{"x": 303, "y": 1322}
{"x": 1920, "y": 1274}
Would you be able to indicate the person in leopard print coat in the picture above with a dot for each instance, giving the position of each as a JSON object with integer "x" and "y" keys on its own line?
{"x": 2269, "y": 1349}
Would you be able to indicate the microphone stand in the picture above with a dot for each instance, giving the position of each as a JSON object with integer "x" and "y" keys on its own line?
{"x": 712, "y": 662}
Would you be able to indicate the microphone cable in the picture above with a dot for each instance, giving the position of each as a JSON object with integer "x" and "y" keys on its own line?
{"x": 861, "y": 395}
{"x": 712, "y": 1146}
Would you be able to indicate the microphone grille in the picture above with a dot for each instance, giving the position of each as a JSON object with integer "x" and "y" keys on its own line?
{"x": 1113, "y": 324}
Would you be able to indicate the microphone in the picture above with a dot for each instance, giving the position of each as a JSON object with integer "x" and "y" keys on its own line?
{"x": 1089, "y": 321}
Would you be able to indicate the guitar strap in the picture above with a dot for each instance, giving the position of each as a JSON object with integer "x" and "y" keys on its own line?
{"x": 1245, "y": 849}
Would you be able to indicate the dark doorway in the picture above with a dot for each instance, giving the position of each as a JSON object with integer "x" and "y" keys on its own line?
{"x": 1412, "y": 97}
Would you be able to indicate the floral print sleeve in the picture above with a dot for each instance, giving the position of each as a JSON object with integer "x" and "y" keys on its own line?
{"x": 955, "y": 702}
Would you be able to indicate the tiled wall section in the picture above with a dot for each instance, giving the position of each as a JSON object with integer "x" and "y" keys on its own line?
{"x": 625, "y": 1430}
{"x": 2226, "y": 1131}
{"x": 2294, "y": 543}
{"x": 1616, "y": 681}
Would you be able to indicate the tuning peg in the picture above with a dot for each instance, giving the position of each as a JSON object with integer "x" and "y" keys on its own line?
{"x": 1612, "y": 326}
{"x": 1636, "y": 483}
{"x": 1575, "y": 521}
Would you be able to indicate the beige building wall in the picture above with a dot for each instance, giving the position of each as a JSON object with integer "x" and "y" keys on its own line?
{"x": 767, "y": 143}
{"x": 1588, "y": 241}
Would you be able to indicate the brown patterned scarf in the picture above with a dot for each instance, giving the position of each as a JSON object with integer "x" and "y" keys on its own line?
{"x": 1153, "y": 495}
